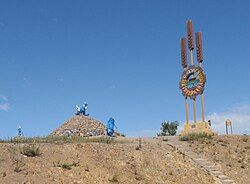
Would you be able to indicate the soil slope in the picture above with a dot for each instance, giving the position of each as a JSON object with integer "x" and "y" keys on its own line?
{"x": 232, "y": 152}
{"x": 149, "y": 161}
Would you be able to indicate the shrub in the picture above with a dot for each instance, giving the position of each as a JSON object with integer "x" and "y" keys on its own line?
{"x": 65, "y": 165}
{"x": 168, "y": 128}
{"x": 139, "y": 145}
{"x": 30, "y": 151}
{"x": 114, "y": 178}
{"x": 18, "y": 165}
{"x": 245, "y": 138}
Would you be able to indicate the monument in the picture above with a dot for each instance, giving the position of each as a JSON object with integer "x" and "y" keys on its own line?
{"x": 110, "y": 128}
{"x": 83, "y": 110}
{"x": 193, "y": 80}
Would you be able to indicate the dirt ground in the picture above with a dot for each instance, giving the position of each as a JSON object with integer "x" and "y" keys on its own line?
{"x": 232, "y": 152}
{"x": 124, "y": 161}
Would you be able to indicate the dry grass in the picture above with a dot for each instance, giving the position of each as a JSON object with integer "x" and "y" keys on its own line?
{"x": 30, "y": 151}
{"x": 61, "y": 139}
{"x": 195, "y": 136}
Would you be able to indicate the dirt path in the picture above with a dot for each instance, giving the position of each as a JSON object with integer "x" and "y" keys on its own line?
{"x": 213, "y": 168}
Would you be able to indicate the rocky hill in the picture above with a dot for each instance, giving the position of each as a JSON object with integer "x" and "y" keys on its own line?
{"x": 81, "y": 125}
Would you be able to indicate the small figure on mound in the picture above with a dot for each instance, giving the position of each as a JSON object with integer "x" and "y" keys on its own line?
{"x": 83, "y": 110}
{"x": 111, "y": 127}
{"x": 20, "y": 133}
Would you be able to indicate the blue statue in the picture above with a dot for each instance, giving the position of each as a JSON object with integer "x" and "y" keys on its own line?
{"x": 20, "y": 133}
{"x": 111, "y": 127}
{"x": 83, "y": 110}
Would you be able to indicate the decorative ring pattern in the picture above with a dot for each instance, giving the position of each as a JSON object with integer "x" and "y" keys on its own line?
{"x": 192, "y": 81}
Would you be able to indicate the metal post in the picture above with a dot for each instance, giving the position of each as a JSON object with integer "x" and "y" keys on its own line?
{"x": 202, "y": 103}
{"x": 202, "y": 108}
{"x": 191, "y": 57}
{"x": 186, "y": 99}
{"x": 195, "y": 110}
{"x": 226, "y": 128}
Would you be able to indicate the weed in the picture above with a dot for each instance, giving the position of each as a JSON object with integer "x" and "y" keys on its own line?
{"x": 245, "y": 139}
{"x": 139, "y": 145}
{"x": 59, "y": 139}
{"x": 30, "y": 151}
{"x": 18, "y": 164}
{"x": 65, "y": 165}
{"x": 114, "y": 178}
{"x": 4, "y": 174}
{"x": 195, "y": 136}
{"x": 86, "y": 168}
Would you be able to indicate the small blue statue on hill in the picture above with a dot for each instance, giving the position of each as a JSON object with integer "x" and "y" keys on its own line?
{"x": 20, "y": 132}
{"x": 110, "y": 128}
{"x": 83, "y": 110}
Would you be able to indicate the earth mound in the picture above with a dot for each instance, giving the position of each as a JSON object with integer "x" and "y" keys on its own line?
{"x": 80, "y": 125}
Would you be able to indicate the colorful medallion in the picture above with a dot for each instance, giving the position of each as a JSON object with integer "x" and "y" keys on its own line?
{"x": 192, "y": 81}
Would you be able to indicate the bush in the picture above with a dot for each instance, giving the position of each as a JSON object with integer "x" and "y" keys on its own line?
{"x": 195, "y": 136}
{"x": 66, "y": 165}
{"x": 114, "y": 178}
{"x": 31, "y": 151}
{"x": 168, "y": 128}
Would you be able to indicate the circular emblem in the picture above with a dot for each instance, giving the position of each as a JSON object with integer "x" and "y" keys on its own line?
{"x": 192, "y": 81}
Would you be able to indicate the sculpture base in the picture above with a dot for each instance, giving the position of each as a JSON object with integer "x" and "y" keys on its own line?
{"x": 199, "y": 127}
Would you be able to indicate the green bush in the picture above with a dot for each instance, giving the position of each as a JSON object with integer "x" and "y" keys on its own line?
{"x": 168, "y": 128}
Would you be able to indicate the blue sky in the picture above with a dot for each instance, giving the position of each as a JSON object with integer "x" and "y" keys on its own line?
{"x": 123, "y": 58}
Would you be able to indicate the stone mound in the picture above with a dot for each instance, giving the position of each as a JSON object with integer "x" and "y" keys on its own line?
{"x": 81, "y": 125}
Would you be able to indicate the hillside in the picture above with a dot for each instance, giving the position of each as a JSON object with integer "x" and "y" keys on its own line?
{"x": 100, "y": 160}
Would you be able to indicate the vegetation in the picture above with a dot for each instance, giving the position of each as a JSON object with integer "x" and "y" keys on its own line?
{"x": 66, "y": 166}
{"x": 139, "y": 145}
{"x": 30, "y": 151}
{"x": 168, "y": 128}
{"x": 61, "y": 139}
{"x": 195, "y": 136}
{"x": 18, "y": 165}
{"x": 114, "y": 178}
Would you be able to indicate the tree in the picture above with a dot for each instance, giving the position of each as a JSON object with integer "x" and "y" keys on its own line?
{"x": 168, "y": 128}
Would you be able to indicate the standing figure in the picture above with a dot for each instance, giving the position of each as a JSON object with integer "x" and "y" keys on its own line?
{"x": 85, "y": 108}
{"x": 20, "y": 133}
{"x": 78, "y": 110}
{"x": 111, "y": 127}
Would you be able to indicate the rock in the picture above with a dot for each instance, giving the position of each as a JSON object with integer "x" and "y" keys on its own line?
{"x": 80, "y": 125}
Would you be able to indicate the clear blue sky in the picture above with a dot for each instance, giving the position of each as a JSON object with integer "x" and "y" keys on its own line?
{"x": 123, "y": 58}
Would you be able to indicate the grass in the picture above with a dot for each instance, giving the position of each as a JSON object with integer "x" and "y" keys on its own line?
{"x": 195, "y": 136}
{"x": 114, "y": 178}
{"x": 60, "y": 139}
{"x": 139, "y": 145}
{"x": 245, "y": 138}
{"x": 30, "y": 151}
{"x": 18, "y": 165}
{"x": 66, "y": 166}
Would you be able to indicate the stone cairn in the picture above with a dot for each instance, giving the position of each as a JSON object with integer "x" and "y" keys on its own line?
{"x": 81, "y": 125}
